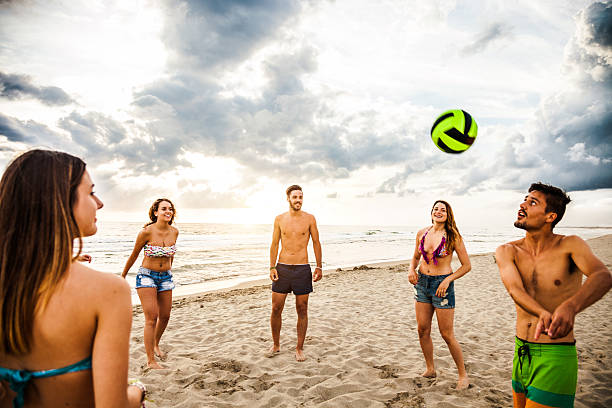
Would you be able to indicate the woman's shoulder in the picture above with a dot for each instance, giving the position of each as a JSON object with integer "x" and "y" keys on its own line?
{"x": 101, "y": 285}
{"x": 423, "y": 231}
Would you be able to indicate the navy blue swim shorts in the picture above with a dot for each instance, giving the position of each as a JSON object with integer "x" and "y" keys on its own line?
{"x": 293, "y": 278}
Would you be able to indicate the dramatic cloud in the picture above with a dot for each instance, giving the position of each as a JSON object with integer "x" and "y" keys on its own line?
{"x": 341, "y": 94}
{"x": 492, "y": 33}
{"x": 32, "y": 133}
{"x": 210, "y": 34}
{"x": 573, "y": 137}
{"x": 569, "y": 143}
{"x": 13, "y": 86}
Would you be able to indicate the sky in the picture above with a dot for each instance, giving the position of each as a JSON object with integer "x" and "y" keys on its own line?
{"x": 221, "y": 105}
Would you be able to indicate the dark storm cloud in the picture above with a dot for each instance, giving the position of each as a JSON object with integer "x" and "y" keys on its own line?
{"x": 599, "y": 16}
{"x": 13, "y": 86}
{"x": 492, "y": 33}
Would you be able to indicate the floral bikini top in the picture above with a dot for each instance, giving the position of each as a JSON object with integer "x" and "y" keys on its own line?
{"x": 159, "y": 251}
{"x": 439, "y": 252}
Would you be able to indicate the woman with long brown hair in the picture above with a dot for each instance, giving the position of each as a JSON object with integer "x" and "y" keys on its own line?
{"x": 434, "y": 285}
{"x": 64, "y": 328}
{"x": 154, "y": 280}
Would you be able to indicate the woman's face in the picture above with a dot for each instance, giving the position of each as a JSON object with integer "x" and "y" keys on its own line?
{"x": 165, "y": 211}
{"x": 438, "y": 213}
{"x": 86, "y": 205}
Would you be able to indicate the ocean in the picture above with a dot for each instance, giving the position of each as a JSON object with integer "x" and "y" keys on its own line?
{"x": 214, "y": 256}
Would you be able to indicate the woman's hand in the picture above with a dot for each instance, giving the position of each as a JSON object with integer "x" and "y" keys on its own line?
{"x": 84, "y": 258}
{"x": 413, "y": 277}
{"x": 442, "y": 287}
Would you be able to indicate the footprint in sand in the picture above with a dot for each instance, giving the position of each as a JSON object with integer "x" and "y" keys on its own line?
{"x": 387, "y": 371}
{"x": 405, "y": 400}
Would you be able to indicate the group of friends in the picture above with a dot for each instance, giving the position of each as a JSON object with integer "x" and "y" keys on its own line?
{"x": 57, "y": 312}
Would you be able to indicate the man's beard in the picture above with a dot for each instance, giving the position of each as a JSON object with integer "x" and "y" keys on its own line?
{"x": 295, "y": 207}
{"x": 520, "y": 224}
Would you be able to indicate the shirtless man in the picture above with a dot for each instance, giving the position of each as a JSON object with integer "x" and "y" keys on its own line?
{"x": 543, "y": 274}
{"x": 292, "y": 273}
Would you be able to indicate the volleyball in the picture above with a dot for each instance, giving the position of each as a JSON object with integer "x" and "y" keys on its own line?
{"x": 454, "y": 131}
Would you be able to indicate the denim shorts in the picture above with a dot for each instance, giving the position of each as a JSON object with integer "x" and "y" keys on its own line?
{"x": 425, "y": 291}
{"x": 147, "y": 278}
{"x": 296, "y": 278}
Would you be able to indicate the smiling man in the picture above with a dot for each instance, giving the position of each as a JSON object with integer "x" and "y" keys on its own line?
{"x": 292, "y": 273}
{"x": 543, "y": 274}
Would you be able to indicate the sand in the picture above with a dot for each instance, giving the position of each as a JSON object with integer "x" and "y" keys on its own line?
{"x": 362, "y": 346}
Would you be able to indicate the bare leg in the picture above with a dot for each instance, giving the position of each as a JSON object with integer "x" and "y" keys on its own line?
{"x": 424, "y": 314}
{"x": 445, "y": 324}
{"x": 148, "y": 300}
{"x": 301, "y": 306}
{"x": 276, "y": 319}
{"x": 164, "y": 303}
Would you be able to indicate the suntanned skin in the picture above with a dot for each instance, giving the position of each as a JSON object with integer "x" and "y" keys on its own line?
{"x": 89, "y": 314}
{"x": 155, "y": 305}
{"x": 543, "y": 274}
{"x": 425, "y": 311}
{"x": 293, "y": 229}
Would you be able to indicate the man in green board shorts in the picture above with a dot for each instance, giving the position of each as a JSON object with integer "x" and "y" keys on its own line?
{"x": 543, "y": 274}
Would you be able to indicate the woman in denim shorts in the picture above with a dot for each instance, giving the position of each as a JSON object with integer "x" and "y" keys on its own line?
{"x": 434, "y": 289}
{"x": 154, "y": 280}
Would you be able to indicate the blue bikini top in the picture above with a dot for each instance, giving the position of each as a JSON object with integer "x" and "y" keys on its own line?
{"x": 18, "y": 379}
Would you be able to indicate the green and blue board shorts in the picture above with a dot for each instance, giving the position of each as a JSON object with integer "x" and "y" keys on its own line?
{"x": 547, "y": 373}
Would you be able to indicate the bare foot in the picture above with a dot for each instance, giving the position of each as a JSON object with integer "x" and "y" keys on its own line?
{"x": 154, "y": 365}
{"x": 274, "y": 351}
{"x": 429, "y": 373}
{"x": 463, "y": 383}
{"x": 159, "y": 353}
{"x": 299, "y": 355}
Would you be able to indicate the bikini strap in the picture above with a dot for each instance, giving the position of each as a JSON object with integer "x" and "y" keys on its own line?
{"x": 422, "y": 246}
{"x": 18, "y": 379}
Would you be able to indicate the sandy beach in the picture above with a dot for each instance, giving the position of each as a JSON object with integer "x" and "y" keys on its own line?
{"x": 362, "y": 346}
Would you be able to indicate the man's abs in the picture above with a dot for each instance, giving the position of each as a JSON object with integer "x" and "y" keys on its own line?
{"x": 293, "y": 257}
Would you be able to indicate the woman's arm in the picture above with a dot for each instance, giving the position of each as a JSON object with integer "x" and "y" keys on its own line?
{"x": 465, "y": 267}
{"x": 414, "y": 262}
{"x": 142, "y": 238}
{"x": 462, "y": 254}
{"x": 110, "y": 354}
{"x": 175, "y": 240}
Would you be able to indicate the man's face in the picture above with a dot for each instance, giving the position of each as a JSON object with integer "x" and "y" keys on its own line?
{"x": 295, "y": 200}
{"x": 532, "y": 213}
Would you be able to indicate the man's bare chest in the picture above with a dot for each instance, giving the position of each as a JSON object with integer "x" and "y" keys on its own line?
{"x": 547, "y": 272}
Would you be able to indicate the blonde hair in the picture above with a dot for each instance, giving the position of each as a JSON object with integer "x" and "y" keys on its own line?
{"x": 37, "y": 229}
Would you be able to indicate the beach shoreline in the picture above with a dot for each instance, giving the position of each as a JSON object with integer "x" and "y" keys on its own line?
{"x": 362, "y": 345}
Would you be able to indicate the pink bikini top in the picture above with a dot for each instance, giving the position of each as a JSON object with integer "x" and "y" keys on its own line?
{"x": 439, "y": 252}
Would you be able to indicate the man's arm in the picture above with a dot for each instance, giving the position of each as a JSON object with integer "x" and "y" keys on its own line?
{"x": 274, "y": 249}
{"x": 316, "y": 245}
{"x": 597, "y": 284}
{"x": 504, "y": 256}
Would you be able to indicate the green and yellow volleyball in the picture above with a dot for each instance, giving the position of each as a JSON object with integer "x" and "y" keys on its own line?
{"x": 454, "y": 131}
